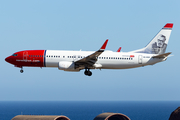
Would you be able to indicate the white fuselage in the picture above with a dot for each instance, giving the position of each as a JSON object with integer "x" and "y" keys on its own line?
{"x": 107, "y": 60}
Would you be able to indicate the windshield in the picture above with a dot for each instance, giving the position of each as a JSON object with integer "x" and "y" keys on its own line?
{"x": 14, "y": 54}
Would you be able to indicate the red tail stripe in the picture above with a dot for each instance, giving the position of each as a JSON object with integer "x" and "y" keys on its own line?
{"x": 169, "y": 25}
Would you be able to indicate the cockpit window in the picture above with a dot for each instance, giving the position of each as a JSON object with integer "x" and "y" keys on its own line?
{"x": 14, "y": 54}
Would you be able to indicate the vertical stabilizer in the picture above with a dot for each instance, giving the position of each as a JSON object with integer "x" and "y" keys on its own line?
{"x": 159, "y": 43}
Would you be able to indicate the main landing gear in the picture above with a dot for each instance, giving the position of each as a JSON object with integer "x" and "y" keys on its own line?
{"x": 87, "y": 72}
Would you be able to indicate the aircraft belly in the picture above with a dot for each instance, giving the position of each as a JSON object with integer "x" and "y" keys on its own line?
{"x": 119, "y": 65}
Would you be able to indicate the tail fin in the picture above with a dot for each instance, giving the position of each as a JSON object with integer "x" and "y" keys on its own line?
{"x": 159, "y": 43}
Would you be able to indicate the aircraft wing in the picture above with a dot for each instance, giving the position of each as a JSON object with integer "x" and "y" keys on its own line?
{"x": 162, "y": 55}
{"x": 90, "y": 60}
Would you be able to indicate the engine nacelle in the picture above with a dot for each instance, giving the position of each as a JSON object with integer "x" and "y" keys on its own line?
{"x": 67, "y": 66}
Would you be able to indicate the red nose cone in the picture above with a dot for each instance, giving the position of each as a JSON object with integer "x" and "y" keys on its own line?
{"x": 8, "y": 59}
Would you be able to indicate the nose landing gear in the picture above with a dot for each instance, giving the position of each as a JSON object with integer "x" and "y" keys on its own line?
{"x": 87, "y": 72}
{"x": 21, "y": 71}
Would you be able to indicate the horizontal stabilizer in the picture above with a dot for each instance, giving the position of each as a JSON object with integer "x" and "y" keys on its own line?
{"x": 162, "y": 55}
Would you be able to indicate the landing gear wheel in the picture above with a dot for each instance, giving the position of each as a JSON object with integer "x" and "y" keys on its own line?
{"x": 87, "y": 72}
{"x": 21, "y": 71}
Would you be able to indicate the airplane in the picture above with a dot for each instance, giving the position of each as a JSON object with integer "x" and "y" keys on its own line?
{"x": 75, "y": 61}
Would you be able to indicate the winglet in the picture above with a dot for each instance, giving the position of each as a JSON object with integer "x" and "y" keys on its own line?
{"x": 104, "y": 45}
{"x": 119, "y": 49}
{"x": 168, "y": 25}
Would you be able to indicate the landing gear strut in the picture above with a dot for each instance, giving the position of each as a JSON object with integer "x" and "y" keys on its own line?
{"x": 87, "y": 72}
{"x": 21, "y": 71}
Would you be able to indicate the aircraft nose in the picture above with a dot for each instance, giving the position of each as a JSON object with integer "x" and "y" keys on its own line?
{"x": 8, "y": 59}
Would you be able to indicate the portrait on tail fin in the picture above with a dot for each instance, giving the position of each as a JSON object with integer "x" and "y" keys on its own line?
{"x": 159, "y": 47}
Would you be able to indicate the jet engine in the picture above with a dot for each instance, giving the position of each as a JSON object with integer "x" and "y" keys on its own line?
{"x": 67, "y": 66}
